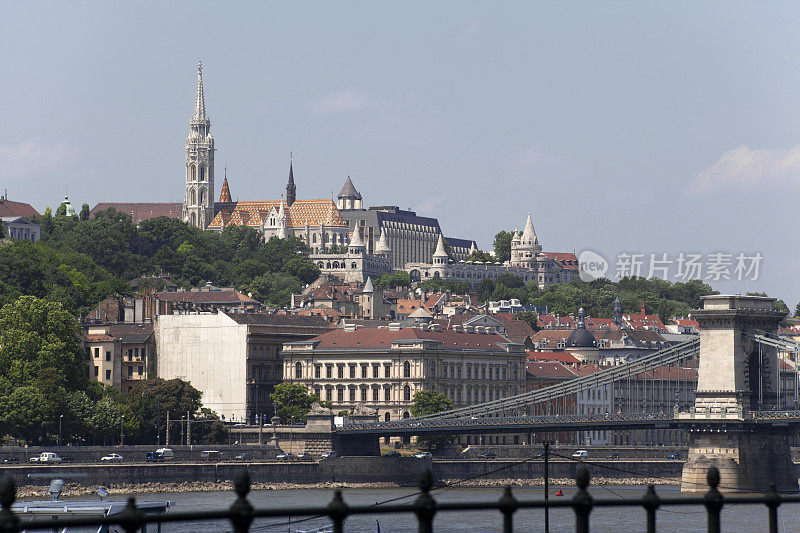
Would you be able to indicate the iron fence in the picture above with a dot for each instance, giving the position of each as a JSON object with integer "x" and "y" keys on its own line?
{"x": 241, "y": 513}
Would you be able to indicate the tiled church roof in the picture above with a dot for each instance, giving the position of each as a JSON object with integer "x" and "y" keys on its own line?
{"x": 299, "y": 214}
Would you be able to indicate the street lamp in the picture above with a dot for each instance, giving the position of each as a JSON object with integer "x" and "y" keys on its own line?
{"x": 60, "y": 418}
{"x": 122, "y": 431}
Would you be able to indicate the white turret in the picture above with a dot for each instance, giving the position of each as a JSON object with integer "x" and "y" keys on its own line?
{"x": 368, "y": 288}
{"x": 440, "y": 255}
{"x": 356, "y": 243}
{"x": 382, "y": 248}
{"x": 525, "y": 247}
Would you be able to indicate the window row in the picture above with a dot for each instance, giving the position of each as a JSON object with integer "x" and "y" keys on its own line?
{"x": 374, "y": 394}
{"x": 352, "y": 370}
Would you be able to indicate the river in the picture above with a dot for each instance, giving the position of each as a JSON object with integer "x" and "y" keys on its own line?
{"x": 739, "y": 518}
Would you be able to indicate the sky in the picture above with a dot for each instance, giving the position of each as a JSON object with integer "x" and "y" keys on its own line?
{"x": 631, "y": 128}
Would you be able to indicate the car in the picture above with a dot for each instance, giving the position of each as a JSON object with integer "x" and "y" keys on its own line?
{"x": 613, "y": 455}
{"x": 244, "y": 456}
{"x": 487, "y": 455}
{"x": 393, "y": 453}
{"x": 305, "y": 457}
{"x": 153, "y": 457}
{"x": 47, "y": 458}
{"x": 673, "y": 455}
{"x": 34, "y": 459}
{"x": 112, "y": 458}
{"x": 580, "y": 454}
{"x": 210, "y": 455}
{"x": 9, "y": 460}
{"x": 286, "y": 456}
{"x": 330, "y": 454}
{"x": 539, "y": 455}
{"x": 423, "y": 455}
{"x": 165, "y": 453}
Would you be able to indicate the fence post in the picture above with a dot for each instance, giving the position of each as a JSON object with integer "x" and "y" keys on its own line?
{"x": 338, "y": 511}
{"x": 241, "y": 510}
{"x": 713, "y": 500}
{"x": 773, "y": 501}
{"x": 425, "y": 502}
{"x": 8, "y": 493}
{"x": 508, "y": 505}
{"x": 582, "y": 501}
{"x": 651, "y": 502}
{"x": 131, "y": 519}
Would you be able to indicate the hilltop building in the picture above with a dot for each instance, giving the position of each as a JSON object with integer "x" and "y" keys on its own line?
{"x": 527, "y": 261}
{"x": 16, "y": 218}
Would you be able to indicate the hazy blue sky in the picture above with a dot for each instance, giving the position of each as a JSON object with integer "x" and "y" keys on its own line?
{"x": 624, "y": 126}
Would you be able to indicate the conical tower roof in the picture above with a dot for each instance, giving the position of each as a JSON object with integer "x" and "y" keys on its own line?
{"x": 225, "y": 193}
{"x": 529, "y": 234}
{"x": 368, "y": 286}
{"x": 440, "y": 251}
{"x": 200, "y": 98}
{"x": 349, "y": 190}
{"x": 383, "y": 246}
{"x": 356, "y": 241}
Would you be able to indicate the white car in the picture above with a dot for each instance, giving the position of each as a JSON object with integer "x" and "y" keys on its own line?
{"x": 329, "y": 455}
{"x": 112, "y": 457}
{"x": 423, "y": 455}
{"x": 580, "y": 454}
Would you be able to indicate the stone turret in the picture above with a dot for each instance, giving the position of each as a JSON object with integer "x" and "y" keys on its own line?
{"x": 349, "y": 197}
{"x": 356, "y": 242}
{"x": 440, "y": 255}
{"x": 382, "y": 248}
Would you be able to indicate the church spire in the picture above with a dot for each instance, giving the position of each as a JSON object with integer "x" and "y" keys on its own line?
{"x": 200, "y": 99}
{"x": 225, "y": 193}
{"x": 291, "y": 189}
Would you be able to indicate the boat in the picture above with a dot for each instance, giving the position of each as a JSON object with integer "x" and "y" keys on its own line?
{"x": 55, "y": 508}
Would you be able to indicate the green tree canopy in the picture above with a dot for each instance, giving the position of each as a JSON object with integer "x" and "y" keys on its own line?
{"x": 398, "y": 278}
{"x": 502, "y": 246}
{"x": 428, "y": 403}
{"x": 293, "y": 401}
{"x": 480, "y": 255}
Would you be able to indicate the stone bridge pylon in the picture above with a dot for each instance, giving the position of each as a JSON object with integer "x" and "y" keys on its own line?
{"x": 737, "y": 376}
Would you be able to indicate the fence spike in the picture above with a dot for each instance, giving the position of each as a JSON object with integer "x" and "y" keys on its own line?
{"x": 583, "y": 500}
{"x": 131, "y": 518}
{"x": 714, "y": 500}
{"x": 508, "y": 506}
{"x": 241, "y": 508}
{"x": 8, "y": 494}
{"x": 338, "y": 511}
{"x": 773, "y": 500}
{"x": 651, "y": 502}
{"x": 426, "y": 505}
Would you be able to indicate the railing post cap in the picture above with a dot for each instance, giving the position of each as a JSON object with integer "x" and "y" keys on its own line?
{"x": 582, "y": 478}
{"x": 425, "y": 480}
{"x": 241, "y": 483}
{"x": 8, "y": 491}
{"x": 712, "y": 477}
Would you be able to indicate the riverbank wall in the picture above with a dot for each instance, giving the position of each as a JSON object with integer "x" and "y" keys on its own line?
{"x": 401, "y": 471}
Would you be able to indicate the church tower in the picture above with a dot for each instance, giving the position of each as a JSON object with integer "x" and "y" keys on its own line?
{"x": 198, "y": 203}
{"x": 291, "y": 189}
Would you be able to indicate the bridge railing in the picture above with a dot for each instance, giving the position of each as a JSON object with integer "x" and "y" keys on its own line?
{"x": 241, "y": 514}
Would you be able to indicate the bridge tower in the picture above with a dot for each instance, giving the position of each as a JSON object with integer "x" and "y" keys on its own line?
{"x": 737, "y": 376}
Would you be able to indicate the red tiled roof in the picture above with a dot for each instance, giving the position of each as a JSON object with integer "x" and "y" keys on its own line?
{"x": 312, "y": 213}
{"x": 223, "y": 296}
{"x": 561, "y": 357}
{"x": 548, "y": 369}
{"x": 383, "y": 338}
{"x": 99, "y": 337}
{"x": 687, "y": 322}
{"x": 552, "y": 335}
{"x": 407, "y": 305}
{"x": 567, "y": 260}
{"x": 10, "y": 208}
{"x": 142, "y": 211}
{"x": 518, "y": 330}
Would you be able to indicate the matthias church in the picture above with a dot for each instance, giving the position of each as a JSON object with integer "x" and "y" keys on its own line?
{"x": 345, "y": 239}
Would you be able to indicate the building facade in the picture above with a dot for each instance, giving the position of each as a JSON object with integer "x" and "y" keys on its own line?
{"x": 354, "y": 264}
{"x": 119, "y": 355}
{"x": 527, "y": 262}
{"x": 232, "y": 358}
{"x": 384, "y": 368}
{"x": 21, "y": 229}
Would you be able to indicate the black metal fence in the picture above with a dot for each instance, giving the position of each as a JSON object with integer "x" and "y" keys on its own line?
{"x": 241, "y": 513}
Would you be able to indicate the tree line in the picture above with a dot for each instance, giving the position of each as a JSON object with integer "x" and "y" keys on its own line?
{"x": 80, "y": 260}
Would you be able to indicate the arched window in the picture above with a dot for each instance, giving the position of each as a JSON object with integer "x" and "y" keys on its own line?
{"x": 314, "y": 238}
{"x": 202, "y": 197}
{"x": 407, "y": 393}
{"x": 406, "y": 415}
{"x": 192, "y": 197}
{"x": 406, "y": 370}
{"x": 298, "y": 370}
{"x": 193, "y": 172}
{"x": 387, "y": 417}
{"x": 202, "y": 173}
{"x": 194, "y": 219}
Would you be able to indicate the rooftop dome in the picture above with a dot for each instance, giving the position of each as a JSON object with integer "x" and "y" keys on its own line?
{"x": 581, "y": 338}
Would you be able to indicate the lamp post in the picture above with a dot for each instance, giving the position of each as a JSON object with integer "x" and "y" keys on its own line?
{"x": 60, "y": 418}
{"x": 122, "y": 431}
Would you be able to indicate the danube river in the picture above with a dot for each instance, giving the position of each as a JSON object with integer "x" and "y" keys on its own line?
{"x": 744, "y": 518}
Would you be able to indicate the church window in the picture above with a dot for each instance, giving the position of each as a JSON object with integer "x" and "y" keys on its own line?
{"x": 202, "y": 196}
{"x": 193, "y": 172}
{"x": 194, "y": 219}
{"x": 202, "y": 173}
{"x": 192, "y": 197}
